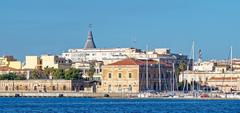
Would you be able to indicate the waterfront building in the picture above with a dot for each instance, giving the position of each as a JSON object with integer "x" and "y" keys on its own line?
{"x": 50, "y": 61}
{"x": 129, "y": 75}
{"x": 41, "y": 85}
{"x": 217, "y": 74}
{"x": 11, "y": 62}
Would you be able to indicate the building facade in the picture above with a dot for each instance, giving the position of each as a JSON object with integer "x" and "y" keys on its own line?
{"x": 41, "y": 85}
{"x": 50, "y": 61}
{"x": 10, "y": 61}
{"x": 134, "y": 76}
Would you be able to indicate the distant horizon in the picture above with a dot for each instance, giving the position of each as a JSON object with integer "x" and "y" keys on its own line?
{"x": 42, "y": 27}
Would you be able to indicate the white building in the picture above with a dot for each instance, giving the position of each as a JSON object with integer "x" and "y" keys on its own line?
{"x": 204, "y": 66}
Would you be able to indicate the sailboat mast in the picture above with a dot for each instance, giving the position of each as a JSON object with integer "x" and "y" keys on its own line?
{"x": 147, "y": 68}
{"x": 231, "y": 55}
{"x": 159, "y": 70}
{"x": 173, "y": 77}
{"x": 193, "y": 58}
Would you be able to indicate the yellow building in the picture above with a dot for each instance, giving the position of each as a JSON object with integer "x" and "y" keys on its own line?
{"x": 10, "y": 61}
{"x": 50, "y": 61}
{"x": 129, "y": 75}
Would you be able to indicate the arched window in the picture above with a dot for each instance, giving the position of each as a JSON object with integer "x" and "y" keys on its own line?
{"x": 109, "y": 75}
{"x": 6, "y": 88}
{"x": 64, "y": 88}
{"x": 44, "y": 88}
{"x": 53, "y": 88}
{"x": 35, "y": 88}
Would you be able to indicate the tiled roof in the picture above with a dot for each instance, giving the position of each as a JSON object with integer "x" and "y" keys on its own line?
{"x": 132, "y": 61}
{"x": 129, "y": 61}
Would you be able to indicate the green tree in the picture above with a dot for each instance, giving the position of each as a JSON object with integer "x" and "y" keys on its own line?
{"x": 12, "y": 76}
{"x": 58, "y": 74}
{"x": 72, "y": 74}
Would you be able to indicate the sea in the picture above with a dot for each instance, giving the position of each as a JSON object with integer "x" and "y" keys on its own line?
{"x": 106, "y": 105}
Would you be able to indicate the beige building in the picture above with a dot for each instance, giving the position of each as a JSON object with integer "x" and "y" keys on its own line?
{"x": 226, "y": 84}
{"x": 50, "y": 61}
{"x": 7, "y": 70}
{"x": 10, "y": 61}
{"x": 129, "y": 75}
{"x": 41, "y": 85}
{"x": 223, "y": 81}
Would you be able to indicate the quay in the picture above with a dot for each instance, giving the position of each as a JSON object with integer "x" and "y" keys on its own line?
{"x": 65, "y": 94}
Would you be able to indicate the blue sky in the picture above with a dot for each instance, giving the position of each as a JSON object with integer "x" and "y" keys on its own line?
{"x": 34, "y": 27}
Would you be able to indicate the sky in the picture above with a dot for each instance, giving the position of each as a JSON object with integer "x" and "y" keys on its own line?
{"x": 35, "y": 27}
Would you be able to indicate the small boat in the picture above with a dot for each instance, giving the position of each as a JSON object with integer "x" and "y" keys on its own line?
{"x": 204, "y": 95}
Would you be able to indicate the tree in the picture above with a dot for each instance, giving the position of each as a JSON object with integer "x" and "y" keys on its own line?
{"x": 12, "y": 76}
{"x": 58, "y": 74}
{"x": 72, "y": 74}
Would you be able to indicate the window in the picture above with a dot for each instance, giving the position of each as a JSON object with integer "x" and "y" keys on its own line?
{"x": 129, "y": 75}
{"x": 109, "y": 88}
{"x": 53, "y": 88}
{"x": 130, "y": 88}
{"x": 64, "y": 88}
{"x": 35, "y": 88}
{"x": 119, "y": 75}
{"x": 6, "y": 88}
{"x": 109, "y": 75}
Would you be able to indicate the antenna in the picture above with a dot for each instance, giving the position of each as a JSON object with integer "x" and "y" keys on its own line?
{"x": 134, "y": 41}
{"x": 90, "y": 27}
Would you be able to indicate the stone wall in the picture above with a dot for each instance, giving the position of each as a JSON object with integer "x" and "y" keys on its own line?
{"x": 40, "y": 85}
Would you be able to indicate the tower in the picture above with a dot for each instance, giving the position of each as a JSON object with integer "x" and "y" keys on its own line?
{"x": 89, "y": 44}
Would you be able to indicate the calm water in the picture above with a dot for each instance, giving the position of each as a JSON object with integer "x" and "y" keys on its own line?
{"x": 79, "y": 105}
